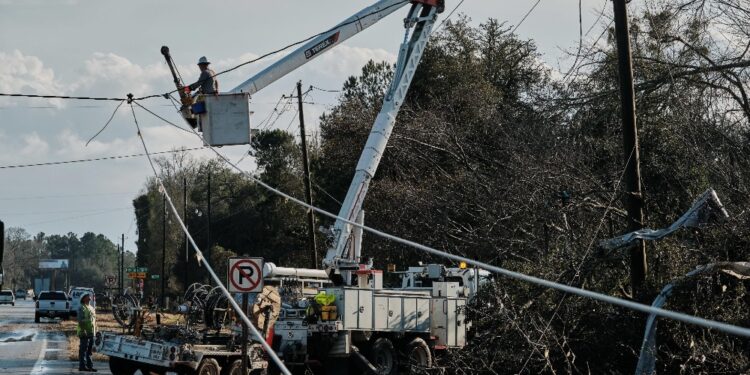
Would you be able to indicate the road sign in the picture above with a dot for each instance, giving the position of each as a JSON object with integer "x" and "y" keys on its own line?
{"x": 245, "y": 275}
{"x": 109, "y": 280}
{"x": 137, "y": 275}
{"x": 155, "y": 277}
{"x": 136, "y": 269}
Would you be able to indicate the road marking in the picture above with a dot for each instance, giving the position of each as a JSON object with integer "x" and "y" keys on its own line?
{"x": 38, "y": 368}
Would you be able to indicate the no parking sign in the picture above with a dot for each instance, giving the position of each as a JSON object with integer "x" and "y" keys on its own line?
{"x": 245, "y": 275}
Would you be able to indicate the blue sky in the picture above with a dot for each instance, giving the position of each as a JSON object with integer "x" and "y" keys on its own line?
{"x": 110, "y": 48}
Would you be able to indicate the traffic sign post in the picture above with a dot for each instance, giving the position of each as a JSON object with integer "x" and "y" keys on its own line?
{"x": 245, "y": 275}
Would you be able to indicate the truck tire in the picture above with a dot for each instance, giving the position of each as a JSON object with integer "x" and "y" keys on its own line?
{"x": 208, "y": 366}
{"x": 119, "y": 366}
{"x": 383, "y": 356}
{"x": 418, "y": 356}
{"x": 36, "y": 317}
{"x": 235, "y": 368}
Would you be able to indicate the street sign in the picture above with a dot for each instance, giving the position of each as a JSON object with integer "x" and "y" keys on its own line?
{"x": 136, "y": 275}
{"x": 52, "y": 264}
{"x": 136, "y": 269}
{"x": 109, "y": 280}
{"x": 245, "y": 275}
{"x": 155, "y": 277}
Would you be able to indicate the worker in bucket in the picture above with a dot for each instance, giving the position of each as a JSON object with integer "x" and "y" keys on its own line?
{"x": 86, "y": 331}
{"x": 207, "y": 82}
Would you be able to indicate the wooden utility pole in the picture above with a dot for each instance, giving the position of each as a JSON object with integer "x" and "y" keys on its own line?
{"x": 122, "y": 265}
{"x": 163, "y": 246}
{"x": 184, "y": 217}
{"x": 633, "y": 196}
{"x": 208, "y": 225}
{"x": 308, "y": 185}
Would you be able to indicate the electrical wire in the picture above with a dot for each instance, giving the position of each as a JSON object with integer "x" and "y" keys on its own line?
{"x": 324, "y": 90}
{"x": 107, "y": 124}
{"x": 96, "y": 159}
{"x": 282, "y": 49}
{"x": 525, "y": 16}
{"x": 686, "y": 318}
{"x": 447, "y": 17}
{"x": 269, "y": 351}
{"x": 61, "y": 97}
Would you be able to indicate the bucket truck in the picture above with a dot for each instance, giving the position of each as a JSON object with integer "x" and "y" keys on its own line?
{"x": 350, "y": 322}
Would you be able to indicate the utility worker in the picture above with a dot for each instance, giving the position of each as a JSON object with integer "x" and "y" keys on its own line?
{"x": 207, "y": 83}
{"x": 86, "y": 331}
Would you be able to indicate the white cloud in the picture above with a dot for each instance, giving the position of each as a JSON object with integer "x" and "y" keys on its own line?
{"x": 34, "y": 145}
{"x": 111, "y": 75}
{"x": 27, "y": 75}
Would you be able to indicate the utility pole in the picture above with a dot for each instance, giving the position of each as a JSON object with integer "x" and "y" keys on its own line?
{"x": 184, "y": 217}
{"x": 163, "y": 246}
{"x": 308, "y": 186}
{"x": 119, "y": 266}
{"x": 122, "y": 265}
{"x": 208, "y": 228}
{"x": 633, "y": 196}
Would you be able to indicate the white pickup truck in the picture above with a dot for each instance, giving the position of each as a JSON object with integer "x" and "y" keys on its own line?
{"x": 52, "y": 304}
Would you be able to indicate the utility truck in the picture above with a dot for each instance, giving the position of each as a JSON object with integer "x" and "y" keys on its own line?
{"x": 349, "y": 322}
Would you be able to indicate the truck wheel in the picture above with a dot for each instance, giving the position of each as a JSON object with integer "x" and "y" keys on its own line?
{"x": 208, "y": 366}
{"x": 383, "y": 356}
{"x": 236, "y": 369}
{"x": 36, "y": 318}
{"x": 120, "y": 366}
{"x": 418, "y": 355}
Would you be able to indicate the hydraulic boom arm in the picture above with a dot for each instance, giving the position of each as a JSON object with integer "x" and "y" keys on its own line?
{"x": 341, "y": 259}
{"x": 322, "y": 43}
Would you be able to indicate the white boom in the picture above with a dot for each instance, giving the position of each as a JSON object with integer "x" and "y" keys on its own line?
{"x": 322, "y": 43}
{"x": 343, "y": 257}
{"x": 340, "y": 259}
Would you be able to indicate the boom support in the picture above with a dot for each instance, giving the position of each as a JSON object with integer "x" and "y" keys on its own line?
{"x": 340, "y": 259}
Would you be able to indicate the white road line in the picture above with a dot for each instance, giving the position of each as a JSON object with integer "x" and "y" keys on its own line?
{"x": 38, "y": 368}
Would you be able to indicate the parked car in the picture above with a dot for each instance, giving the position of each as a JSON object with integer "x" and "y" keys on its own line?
{"x": 7, "y": 298}
{"x": 76, "y": 293}
{"x": 21, "y": 294}
{"x": 52, "y": 304}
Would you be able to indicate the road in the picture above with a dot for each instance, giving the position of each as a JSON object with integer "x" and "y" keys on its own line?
{"x": 30, "y": 348}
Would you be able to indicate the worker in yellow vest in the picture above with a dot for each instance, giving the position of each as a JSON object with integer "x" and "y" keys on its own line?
{"x": 86, "y": 332}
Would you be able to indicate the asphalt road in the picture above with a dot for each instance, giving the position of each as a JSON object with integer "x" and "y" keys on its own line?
{"x": 34, "y": 348}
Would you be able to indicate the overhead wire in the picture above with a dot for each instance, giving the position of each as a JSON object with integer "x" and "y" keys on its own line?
{"x": 96, "y": 159}
{"x": 525, "y": 16}
{"x": 199, "y": 254}
{"x": 686, "y": 318}
{"x": 282, "y": 49}
{"x": 447, "y": 17}
{"x": 107, "y": 124}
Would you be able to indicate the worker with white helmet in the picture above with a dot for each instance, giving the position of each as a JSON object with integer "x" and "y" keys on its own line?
{"x": 207, "y": 82}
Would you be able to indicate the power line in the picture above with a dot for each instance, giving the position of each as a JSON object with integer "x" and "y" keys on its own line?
{"x": 76, "y": 217}
{"x": 96, "y": 159}
{"x": 61, "y": 97}
{"x": 166, "y": 95}
{"x": 64, "y": 196}
{"x": 199, "y": 254}
{"x": 448, "y": 17}
{"x": 690, "y": 319}
{"x": 526, "y": 16}
{"x": 282, "y": 49}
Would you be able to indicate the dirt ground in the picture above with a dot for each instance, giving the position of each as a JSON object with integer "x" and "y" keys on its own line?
{"x": 104, "y": 322}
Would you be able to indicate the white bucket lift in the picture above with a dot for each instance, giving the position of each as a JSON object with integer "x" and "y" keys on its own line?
{"x": 226, "y": 120}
